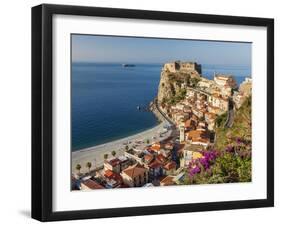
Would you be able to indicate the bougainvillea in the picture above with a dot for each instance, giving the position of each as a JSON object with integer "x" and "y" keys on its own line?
{"x": 233, "y": 164}
{"x": 203, "y": 163}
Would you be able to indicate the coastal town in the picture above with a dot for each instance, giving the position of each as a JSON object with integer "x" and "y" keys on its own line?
{"x": 190, "y": 107}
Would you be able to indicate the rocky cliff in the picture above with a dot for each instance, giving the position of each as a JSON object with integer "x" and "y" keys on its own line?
{"x": 172, "y": 84}
{"x": 168, "y": 87}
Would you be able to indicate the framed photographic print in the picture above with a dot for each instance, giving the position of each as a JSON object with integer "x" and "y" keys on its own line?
{"x": 146, "y": 112}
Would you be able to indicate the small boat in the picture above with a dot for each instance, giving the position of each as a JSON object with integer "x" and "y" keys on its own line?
{"x": 128, "y": 65}
{"x": 138, "y": 107}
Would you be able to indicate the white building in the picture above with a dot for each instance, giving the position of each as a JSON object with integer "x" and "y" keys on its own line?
{"x": 225, "y": 80}
{"x": 182, "y": 132}
{"x": 186, "y": 158}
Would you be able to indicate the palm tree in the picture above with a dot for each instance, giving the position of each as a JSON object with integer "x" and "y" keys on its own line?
{"x": 127, "y": 147}
{"x": 89, "y": 165}
{"x": 105, "y": 156}
{"x": 78, "y": 167}
{"x": 113, "y": 153}
{"x": 147, "y": 141}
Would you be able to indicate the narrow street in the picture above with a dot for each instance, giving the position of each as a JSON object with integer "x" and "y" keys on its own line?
{"x": 230, "y": 116}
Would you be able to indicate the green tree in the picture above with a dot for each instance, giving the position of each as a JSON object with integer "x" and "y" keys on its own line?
{"x": 89, "y": 165}
{"x": 182, "y": 93}
{"x": 147, "y": 141}
{"x": 78, "y": 167}
{"x": 194, "y": 81}
{"x": 220, "y": 120}
{"x": 105, "y": 156}
{"x": 113, "y": 153}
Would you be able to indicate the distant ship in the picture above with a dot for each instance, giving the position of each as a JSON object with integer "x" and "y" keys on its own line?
{"x": 128, "y": 65}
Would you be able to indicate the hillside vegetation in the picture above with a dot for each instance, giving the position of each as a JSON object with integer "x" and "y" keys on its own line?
{"x": 230, "y": 160}
{"x": 241, "y": 128}
{"x": 170, "y": 89}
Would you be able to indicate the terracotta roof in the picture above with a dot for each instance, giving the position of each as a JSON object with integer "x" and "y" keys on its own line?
{"x": 112, "y": 175}
{"x": 108, "y": 173}
{"x": 188, "y": 123}
{"x": 156, "y": 145}
{"x": 194, "y": 133}
{"x": 161, "y": 158}
{"x": 114, "y": 162}
{"x": 169, "y": 146}
{"x": 135, "y": 170}
{"x": 155, "y": 164}
{"x": 170, "y": 165}
{"x": 148, "y": 157}
{"x": 92, "y": 184}
{"x": 202, "y": 140}
{"x": 167, "y": 181}
{"x": 198, "y": 135}
{"x": 155, "y": 148}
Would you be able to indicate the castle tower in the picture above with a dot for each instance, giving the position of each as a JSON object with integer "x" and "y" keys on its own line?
{"x": 182, "y": 132}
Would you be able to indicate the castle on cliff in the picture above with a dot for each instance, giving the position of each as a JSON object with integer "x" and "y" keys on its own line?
{"x": 185, "y": 67}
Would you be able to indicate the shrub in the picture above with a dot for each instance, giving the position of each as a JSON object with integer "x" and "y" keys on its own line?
{"x": 226, "y": 166}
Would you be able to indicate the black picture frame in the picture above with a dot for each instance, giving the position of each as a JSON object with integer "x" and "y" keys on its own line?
{"x": 42, "y": 196}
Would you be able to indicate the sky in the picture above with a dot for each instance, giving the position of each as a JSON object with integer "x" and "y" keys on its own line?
{"x": 116, "y": 49}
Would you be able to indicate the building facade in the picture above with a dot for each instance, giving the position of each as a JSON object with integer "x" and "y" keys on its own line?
{"x": 225, "y": 81}
{"x": 135, "y": 175}
{"x": 182, "y": 132}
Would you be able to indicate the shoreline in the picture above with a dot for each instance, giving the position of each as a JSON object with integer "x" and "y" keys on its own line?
{"x": 114, "y": 139}
{"x": 124, "y": 139}
{"x": 95, "y": 154}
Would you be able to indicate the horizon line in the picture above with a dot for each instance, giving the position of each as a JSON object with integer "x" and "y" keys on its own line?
{"x": 134, "y": 62}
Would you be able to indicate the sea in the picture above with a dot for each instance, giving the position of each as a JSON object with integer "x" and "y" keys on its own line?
{"x": 106, "y": 96}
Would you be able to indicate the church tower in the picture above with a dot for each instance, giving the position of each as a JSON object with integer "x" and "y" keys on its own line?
{"x": 182, "y": 132}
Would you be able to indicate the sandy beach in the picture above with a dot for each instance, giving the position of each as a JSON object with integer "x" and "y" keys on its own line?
{"x": 95, "y": 154}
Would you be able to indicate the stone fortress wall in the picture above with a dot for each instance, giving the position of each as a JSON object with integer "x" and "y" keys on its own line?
{"x": 178, "y": 66}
